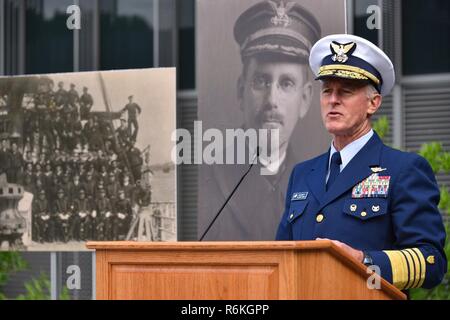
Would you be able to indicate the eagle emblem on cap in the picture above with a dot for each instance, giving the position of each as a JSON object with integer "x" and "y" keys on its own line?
{"x": 342, "y": 51}
{"x": 281, "y": 9}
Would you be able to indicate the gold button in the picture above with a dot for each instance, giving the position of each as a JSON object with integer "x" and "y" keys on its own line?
{"x": 353, "y": 208}
{"x": 430, "y": 259}
{"x": 291, "y": 216}
{"x": 363, "y": 214}
{"x": 319, "y": 218}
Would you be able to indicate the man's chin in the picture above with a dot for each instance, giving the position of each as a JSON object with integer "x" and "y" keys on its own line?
{"x": 336, "y": 130}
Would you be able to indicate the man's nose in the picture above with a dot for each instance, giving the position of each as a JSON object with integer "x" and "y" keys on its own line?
{"x": 333, "y": 98}
{"x": 272, "y": 95}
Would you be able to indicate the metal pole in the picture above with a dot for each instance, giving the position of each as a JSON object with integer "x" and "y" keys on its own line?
{"x": 76, "y": 44}
{"x": 53, "y": 276}
{"x": 94, "y": 277}
{"x": 155, "y": 33}
{"x": 2, "y": 37}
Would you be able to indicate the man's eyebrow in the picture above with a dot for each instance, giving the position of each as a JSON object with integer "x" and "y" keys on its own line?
{"x": 260, "y": 73}
{"x": 290, "y": 75}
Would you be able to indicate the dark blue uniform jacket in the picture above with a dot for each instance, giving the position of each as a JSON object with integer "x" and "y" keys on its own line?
{"x": 401, "y": 228}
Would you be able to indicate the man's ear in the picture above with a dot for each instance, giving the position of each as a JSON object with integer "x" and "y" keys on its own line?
{"x": 374, "y": 104}
{"x": 306, "y": 98}
{"x": 240, "y": 90}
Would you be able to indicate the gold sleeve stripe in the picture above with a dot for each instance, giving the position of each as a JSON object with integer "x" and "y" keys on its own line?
{"x": 399, "y": 268}
{"x": 417, "y": 267}
{"x": 410, "y": 266}
{"x": 423, "y": 266}
{"x": 413, "y": 267}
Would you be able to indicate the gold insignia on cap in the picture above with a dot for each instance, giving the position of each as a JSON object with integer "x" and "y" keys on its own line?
{"x": 319, "y": 218}
{"x": 353, "y": 208}
{"x": 377, "y": 169}
{"x": 281, "y": 9}
{"x": 340, "y": 51}
{"x": 363, "y": 214}
{"x": 375, "y": 208}
{"x": 430, "y": 259}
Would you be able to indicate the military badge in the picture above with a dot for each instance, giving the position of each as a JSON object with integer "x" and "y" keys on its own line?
{"x": 374, "y": 186}
{"x": 377, "y": 169}
{"x": 342, "y": 51}
{"x": 299, "y": 196}
{"x": 281, "y": 9}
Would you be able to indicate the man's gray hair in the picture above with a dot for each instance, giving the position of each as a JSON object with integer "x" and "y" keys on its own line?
{"x": 371, "y": 91}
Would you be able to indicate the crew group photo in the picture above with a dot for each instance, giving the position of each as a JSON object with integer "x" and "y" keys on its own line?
{"x": 86, "y": 174}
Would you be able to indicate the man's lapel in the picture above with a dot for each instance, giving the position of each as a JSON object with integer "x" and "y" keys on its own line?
{"x": 316, "y": 178}
{"x": 356, "y": 170}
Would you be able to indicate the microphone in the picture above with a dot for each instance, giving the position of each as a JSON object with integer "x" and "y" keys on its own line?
{"x": 232, "y": 193}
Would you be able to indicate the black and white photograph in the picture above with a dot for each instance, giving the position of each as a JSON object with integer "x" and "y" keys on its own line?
{"x": 243, "y": 48}
{"x": 87, "y": 157}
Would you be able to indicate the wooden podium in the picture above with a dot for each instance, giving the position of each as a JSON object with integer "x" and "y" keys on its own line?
{"x": 232, "y": 270}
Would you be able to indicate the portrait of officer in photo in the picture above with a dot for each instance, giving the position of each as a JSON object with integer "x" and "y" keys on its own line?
{"x": 273, "y": 90}
{"x": 378, "y": 204}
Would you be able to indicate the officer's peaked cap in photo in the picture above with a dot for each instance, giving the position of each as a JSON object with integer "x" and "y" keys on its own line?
{"x": 282, "y": 27}
{"x": 352, "y": 57}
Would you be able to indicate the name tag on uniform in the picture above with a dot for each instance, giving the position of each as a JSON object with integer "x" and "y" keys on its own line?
{"x": 299, "y": 196}
{"x": 374, "y": 186}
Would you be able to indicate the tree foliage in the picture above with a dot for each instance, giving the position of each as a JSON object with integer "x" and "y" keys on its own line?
{"x": 36, "y": 288}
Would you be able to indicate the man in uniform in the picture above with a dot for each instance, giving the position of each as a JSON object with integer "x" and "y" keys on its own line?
{"x": 133, "y": 111}
{"x": 104, "y": 217}
{"x": 123, "y": 215}
{"x": 122, "y": 133}
{"x": 142, "y": 194}
{"x": 5, "y": 157}
{"x": 112, "y": 188}
{"x": 42, "y": 221}
{"x": 75, "y": 187}
{"x": 86, "y": 103}
{"x": 128, "y": 188}
{"x": 60, "y": 97}
{"x": 274, "y": 92}
{"x": 62, "y": 210}
{"x": 135, "y": 162}
{"x": 73, "y": 100}
{"x": 90, "y": 185}
{"x": 378, "y": 204}
{"x": 81, "y": 225}
{"x": 16, "y": 166}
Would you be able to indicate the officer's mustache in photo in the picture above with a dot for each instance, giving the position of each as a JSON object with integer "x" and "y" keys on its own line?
{"x": 269, "y": 114}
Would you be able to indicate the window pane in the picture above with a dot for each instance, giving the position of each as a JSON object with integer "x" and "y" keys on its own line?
{"x": 167, "y": 33}
{"x": 49, "y": 43}
{"x": 186, "y": 44}
{"x": 126, "y": 34}
{"x": 426, "y": 36}
{"x": 360, "y": 20}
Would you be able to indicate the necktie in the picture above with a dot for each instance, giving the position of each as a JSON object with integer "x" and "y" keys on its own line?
{"x": 334, "y": 169}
